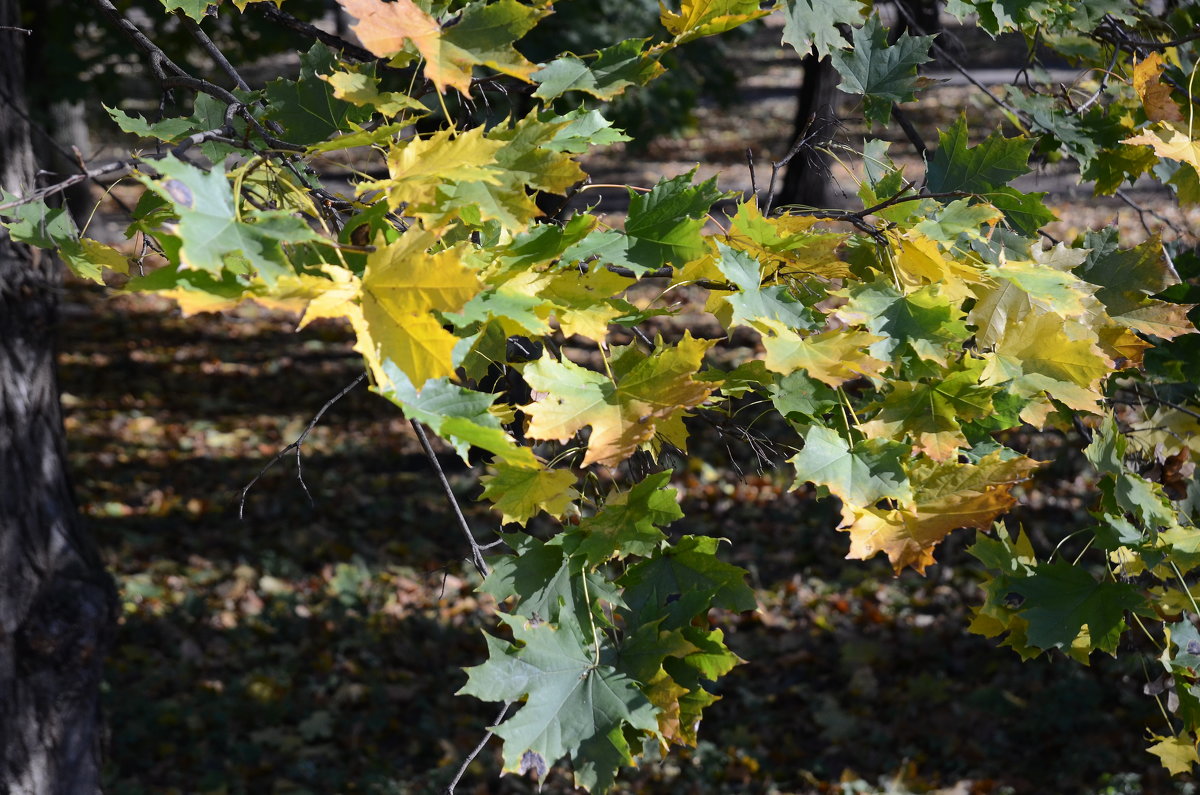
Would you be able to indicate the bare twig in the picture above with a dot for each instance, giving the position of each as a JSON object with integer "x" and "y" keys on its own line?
{"x": 462, "y": 769}
{"x": 1144, "y": 211}
{"x": 753, "y": 180}
{"x": 801, "y": 141}
{"x": 74, "y": 179}
{"x": 26, "y": 31}
{"x": 211, "y": 48}
{"x": 296, "y": 445}
{"x": 1104, "y": 78}
{"x": 910, "y": 131}
{"x": 311, "y": 31}
{"x": 476, "y": 553}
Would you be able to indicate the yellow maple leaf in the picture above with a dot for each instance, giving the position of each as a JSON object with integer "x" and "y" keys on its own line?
{"x": 834, "y": 357}
{"x": 947, "y": 496}
{"x": 1155, "y": 95}
{"x": 623, "y": 414}
{"x": 698, "y": 18}
{"x": 520, "y": 493}
{"x": 1178, "y": 147}
{"x": 918, "y": 261}
{"x": 419, "y": 166}
{"x": 1178, "y": 754}
{"x": 401, "y": 287}
{"x": 1043, "y": 352}
{"x": 356, "y": 86}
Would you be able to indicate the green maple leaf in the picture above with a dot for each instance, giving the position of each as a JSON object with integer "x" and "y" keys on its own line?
{"x": 196, "y": 9}
{"x": 662, "y": 228}
{"x": 859, "y": 475}
{"x": 628, "y": 524}
{"x": 929, "y": 413}
{"x": 546, "y": 580}
{"x": 306, "y": 107}
{"x": 810, "y": 24}
{"x": 457, "y": 414}
{"x": 754, "y": 303}
{"x": 213, "y": 230}
{"x": 1128, "y": 277}
{"x": 883, "y": 74}
{"x": 604, "y": 77}
{"x": 993, "y": 163}
{"x": 583, "y": 130}
{"x": 1024, "y": 212}
{"x": 799, "y": 397}
{"x": 925, "y": 320}
{"x": 682, "y": 581}
{"x": 1061, "y": 599}
{"x": 168, "y": 130}
{"x": 573, "y": 704}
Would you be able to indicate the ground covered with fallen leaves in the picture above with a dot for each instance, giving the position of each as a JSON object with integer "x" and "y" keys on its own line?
{"x": 314, "y": 643}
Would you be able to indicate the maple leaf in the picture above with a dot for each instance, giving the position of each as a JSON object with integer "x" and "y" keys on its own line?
{"x": 1061, "y": 599}
{"x": 482, "y": 35}
{"x": 569, "y": 698}
{"x": 307, "y": 107}
{"x": 861, "y": 474}
{"x": 623, "y": 414}
{"x": 882, "y": 73}
{"x": 919, "y": 261}
{"x": 787, "y": 242}
{"x": 402, "y": 285}
{"x": 418, "y": 167}
{"x": 628, "y": 524}
{"x": 991, "y": 164}
{"x": 606, "y": 77}
{"x": 947, "y": 496}
{"x": 929, "y": 413}
{"x": 547, "y": 581}
{"x": 697, "y": 18}
{"x": 1155, "y": 95}
{"x": 520, "y": 493}
{"x": 814, "y": 24}
{"x": 1043, "y": 352}
{"x": 925, "y": 320}
{"x": 682, "y": 581}
{"x": 833, "y": 357}
{"x": 1177, "y": 146}
{"x": 358, "y": 85}
{"x": 213, "y": 229}
{"x": 1177, "y": 754}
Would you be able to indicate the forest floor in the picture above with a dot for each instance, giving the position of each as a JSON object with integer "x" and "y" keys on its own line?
{"x": 314, "y": 646}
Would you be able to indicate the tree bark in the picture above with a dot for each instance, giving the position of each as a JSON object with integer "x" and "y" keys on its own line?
{"x": 56, "y": 603}
{"x": 806, "y": 177}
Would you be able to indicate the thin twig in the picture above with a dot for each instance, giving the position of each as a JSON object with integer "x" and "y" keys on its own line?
{"x": 211, "y": 48}
{"x": 26, "y": 31}
{"x": 1144, "y": 211}
{"x": 296, "y": 445}
{"x": 288, "y": 21}
{"x": 462, "y": 769}
{"x": 59, "y": 187}
{"x": 750, "y": 163}
{"x": 476, "y": 553}
{"x": 910, "y": 131}
{"x": 801, "y": 141}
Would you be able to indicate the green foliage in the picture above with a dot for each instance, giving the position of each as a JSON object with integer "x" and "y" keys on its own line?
{"x": 908, "y": 345}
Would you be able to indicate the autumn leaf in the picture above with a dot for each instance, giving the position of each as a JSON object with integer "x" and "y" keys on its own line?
{"x": 418, "y": 167}
{"x": 402, "y": 286}
{"x": 520, "y": 493}
{"x": 623, "y": 414}
{"x": 1155, "y": 95}
{"x": 1178, "y": 145}
{"x": 1178, "y": 754}
{"x": 697, "y": 18}
{"x": 833, "y": 357}
{"x": 947, "y": 495}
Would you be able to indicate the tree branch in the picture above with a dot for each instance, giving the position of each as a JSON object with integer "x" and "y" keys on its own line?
{"x": 296, "y": 445}
{"x": 476, "y": 552}
{"x": 462, "y": 769}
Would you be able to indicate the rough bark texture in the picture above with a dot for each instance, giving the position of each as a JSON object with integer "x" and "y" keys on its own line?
{"x": 56, "y": 603}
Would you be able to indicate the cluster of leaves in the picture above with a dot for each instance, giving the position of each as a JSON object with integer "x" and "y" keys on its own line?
{"x": 900, "y": 343}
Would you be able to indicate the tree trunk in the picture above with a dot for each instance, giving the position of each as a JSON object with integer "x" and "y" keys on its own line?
{"x": 56, "y": 603}
{"x": 806, "y": 177}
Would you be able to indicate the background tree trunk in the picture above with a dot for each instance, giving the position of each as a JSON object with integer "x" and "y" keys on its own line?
{"x": 806, "y": 177}
{"x": 56, "y": 602}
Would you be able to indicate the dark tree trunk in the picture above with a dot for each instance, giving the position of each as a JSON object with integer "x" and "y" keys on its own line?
{"x": 806, "y": 177}
{"x": 56, "y": 603}
{"x": 806, "y": 180}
